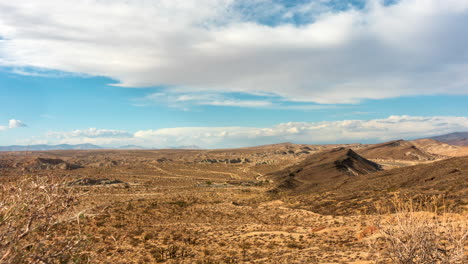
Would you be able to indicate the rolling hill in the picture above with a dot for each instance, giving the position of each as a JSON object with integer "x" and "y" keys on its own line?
{"x": 396, "y": 150}
{"x": 438, "y": 148}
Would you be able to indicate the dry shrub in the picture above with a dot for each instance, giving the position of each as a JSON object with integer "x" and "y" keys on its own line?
{"x": 163, "y": 254}
{"x": 418, "y": 232}
{"x": 30, "y": 229}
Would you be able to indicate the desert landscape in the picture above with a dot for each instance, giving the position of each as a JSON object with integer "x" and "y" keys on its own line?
{"x": 281, "y": 203}
{"x": 234, "y": 131}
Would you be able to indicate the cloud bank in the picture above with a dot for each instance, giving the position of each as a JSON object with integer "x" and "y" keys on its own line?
{"x": 309, "y": 52}
{"x": 90, "y": 133}
{"x": 327, "y": 132}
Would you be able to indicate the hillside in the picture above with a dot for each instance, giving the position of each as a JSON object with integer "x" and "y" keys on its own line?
{"x": 396, "y": 150}
{"x": 322, "y": 170}
{"x": 456, "y": 138}
{"x": 447, "y": 178}
{"x": 438, "y": 148}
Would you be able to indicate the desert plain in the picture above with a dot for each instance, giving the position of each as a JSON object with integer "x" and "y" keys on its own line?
{"x": 281, "y": 203}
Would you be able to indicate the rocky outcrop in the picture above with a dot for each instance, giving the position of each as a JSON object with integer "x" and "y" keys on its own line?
{"x": 50, "y": 164}
{"x": 225, "y": 161}
{"x": 91, "y": 182}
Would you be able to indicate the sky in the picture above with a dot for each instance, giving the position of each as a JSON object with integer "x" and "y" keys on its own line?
{"x": 231, "y": 73}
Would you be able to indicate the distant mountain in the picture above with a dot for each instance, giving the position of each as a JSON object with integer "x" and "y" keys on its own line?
{"x": 131, "y": 147}
{"x": 48, "y": 147}
{"x": 186, "y": 147}
{"x": 457, "y": 138}
{"x": 44, "y": 147}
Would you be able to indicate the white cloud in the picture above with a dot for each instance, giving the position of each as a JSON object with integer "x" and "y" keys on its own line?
{"x": 189, "y": 100}
{"x": 104, "y": 137}
{"x": 393, "y": 127}
{"x": 413, "y": 47}
{"x": 13, "y": 123}
{"x": 90, "y": 133}
{"x": 186, "y": 100}
{"x": 327, "y": 132}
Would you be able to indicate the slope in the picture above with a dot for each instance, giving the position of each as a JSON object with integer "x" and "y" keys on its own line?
{"x": 447, "y": 179}
{"x": 438, "y": 148}
{"x": 322, "y": 170}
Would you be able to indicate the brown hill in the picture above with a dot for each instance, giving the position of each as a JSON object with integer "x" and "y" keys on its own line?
{"x": 450, "y": 175}
{"x": 396, "y": 150}
{"x": 321, "y": 170}
{"x": 438, "y": 148}
{"x": 447, "y": 178}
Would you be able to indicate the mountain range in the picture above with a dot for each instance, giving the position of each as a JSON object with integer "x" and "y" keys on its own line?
{"x": 48, "y": 147}
{"x": 44, "y": 147}
{"x": 456, "y": 138}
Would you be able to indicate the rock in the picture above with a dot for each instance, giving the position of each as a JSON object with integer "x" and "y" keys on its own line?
{"x": 368, "y": 231}
{"x": 50, "y": 164}
{"x": 91, "y": 182}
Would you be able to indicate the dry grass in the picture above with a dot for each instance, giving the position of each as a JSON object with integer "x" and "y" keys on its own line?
{"x": 422, "y": 232}
{"x": 30, "y": 212}
{"x": 176, "y": 208}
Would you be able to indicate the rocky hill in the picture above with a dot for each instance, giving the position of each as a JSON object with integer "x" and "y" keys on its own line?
{"x": 322, "y": 170}
{"x": 445, "y": 178}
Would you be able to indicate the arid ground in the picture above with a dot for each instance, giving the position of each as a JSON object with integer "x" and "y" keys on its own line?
{"x": 283, "y": 203}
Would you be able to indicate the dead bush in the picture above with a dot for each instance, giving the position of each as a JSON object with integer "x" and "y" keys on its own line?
{"x": 31, "y": 231}
{"x": 420, "y": 233}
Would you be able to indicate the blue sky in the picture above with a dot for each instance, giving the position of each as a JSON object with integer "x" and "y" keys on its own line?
{"x": 231, "y": 73}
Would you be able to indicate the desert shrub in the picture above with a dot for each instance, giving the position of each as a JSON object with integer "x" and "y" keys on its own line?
{"x": 181, "y": 203}
{"x": 163, "y": 254}
{"x": 419, "y": 233}
{"x": 294, "y": 245}
{"x": 149, "y": 236}
{"x": 30, "y": 228}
